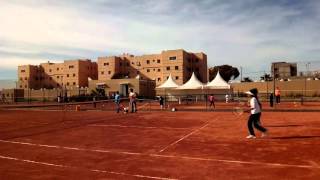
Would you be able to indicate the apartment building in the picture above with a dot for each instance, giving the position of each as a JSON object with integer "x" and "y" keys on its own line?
{"x": 283, "y": 69}
{"x": 179, "y": 63}
{"x": 72, "y": 73}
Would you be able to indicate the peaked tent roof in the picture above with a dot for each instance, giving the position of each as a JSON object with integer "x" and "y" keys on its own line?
{"x": 170, "y": 83}
{"x": 192, "y": 83}
{"x": 218, "y": 83}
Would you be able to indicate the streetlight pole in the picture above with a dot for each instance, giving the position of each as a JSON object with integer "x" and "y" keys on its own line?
{"x": 274, "y": 84}
{"x": 240, "y": 73}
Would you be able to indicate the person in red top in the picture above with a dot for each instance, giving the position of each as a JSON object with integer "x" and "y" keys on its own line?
{"x": 211, "y": 101}
{"x": 277, "y": 94}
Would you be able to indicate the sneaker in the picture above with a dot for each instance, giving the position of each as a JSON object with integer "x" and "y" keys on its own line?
{"x": 251, "y": 137}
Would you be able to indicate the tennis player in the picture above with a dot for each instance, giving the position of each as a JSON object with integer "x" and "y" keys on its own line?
{"x": 117, "y": 101}
{"x": 211, "y": 101}
{"x": 161, "y": 101}
{"x": 255, "y": 114}
{"x": 133, "y": 102}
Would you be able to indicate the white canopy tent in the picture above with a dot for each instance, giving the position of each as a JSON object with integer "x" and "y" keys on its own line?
{"x": 169, "y": 84}
{"x": 193, "y": 83}
{"x": 218, "y": 83}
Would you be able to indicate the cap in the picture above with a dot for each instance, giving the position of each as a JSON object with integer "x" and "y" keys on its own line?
{"x": 252, "y": 92}
{"x": 249, "y": 93}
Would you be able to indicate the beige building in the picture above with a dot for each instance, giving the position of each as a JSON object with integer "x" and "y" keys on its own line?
{"x": 118, "y": 73}
{"x": 144, "y": 88}
{"x": 284, "y": 70}
{"x": 179, "y": 63}
{"x": 72, "y": 73}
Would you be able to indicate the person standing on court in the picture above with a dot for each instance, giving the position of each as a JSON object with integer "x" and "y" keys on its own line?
{"x": 117, "y": 101}
{"x": 227, "y": 98}
{"x": 271, "y": 100}
{"x": 211, "y": 101}
{"x": 277, "y": 94}
{"x": 133, "y": 103}
{"x": 255, "y": 114}
{"x": 161, "y": 100}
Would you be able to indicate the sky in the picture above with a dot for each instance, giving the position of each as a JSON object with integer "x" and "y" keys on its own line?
{"x": 246, "y": 33}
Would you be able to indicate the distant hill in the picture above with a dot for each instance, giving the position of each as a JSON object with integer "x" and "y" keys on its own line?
{"x": 6, "y": 84}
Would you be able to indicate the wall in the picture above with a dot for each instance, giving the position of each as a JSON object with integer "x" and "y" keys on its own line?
{"x": 288, "y": 88}
{"x": 142, "y": 87}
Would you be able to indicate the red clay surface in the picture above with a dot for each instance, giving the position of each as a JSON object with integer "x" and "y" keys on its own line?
{"x": 156, "y": 145}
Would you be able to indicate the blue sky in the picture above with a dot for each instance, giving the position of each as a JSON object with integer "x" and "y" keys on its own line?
{"x": 247, "y": 33}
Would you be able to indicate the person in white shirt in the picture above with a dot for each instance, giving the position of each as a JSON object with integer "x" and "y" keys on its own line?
{"x": 255, "y": 114}
{"x": 133, "y": 103}
{"x": 227, "y": 98}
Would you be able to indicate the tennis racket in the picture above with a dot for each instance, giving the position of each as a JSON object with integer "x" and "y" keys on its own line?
{"x": 238, "y": 111}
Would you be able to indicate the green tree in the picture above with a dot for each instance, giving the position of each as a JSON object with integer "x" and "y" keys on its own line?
{"x": 227, "y": 72}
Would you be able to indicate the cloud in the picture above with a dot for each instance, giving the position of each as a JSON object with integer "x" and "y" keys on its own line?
{"x": 250, "y": 33}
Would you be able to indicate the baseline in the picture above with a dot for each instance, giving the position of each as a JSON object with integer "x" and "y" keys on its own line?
{"x": 313, "y": 166}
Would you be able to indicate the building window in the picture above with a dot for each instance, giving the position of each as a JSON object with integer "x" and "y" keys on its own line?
{"x": 70, "y": 67}
{"x": 158, "y": 61}
{"x": 148, "y": 62}
{"x": 23, "y": 71}
{"x": 154, "y": 69}
{"x": 74, "y": 83}
{"x": 58, "y": 77}
{"x": 67, "y": 83}
{"x": 109, "y": 72}
{"x": 58, "y": 85}
{"x": 172, "y": 58}
{"x": 177, "y": 77}
{"x": 74, "y": 75}
{"x": 20, "y": 86}
{"x": 159, "y": 79}
{"x": 21, "y": 79}
{"x": 168, "y": 68}
{"x": 50, "y": 70}
{"x": 67, "y": 75}
{"x": 57, "y": 69}
{"x": 106, "y": 64}
{"x": 176, "y": 67}
{"x": 102, "y": 72}
{"x": 25, "y": 86}
{"x": 148, "y": 70}
{"x": 25, "y": 78}
{"x": 159, "y": 70}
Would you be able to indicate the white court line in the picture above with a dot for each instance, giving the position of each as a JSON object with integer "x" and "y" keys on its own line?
{"x": 70, "y": 148}
{"x": 142, "y": 127}
{"x": 167, "y": 156}
{"x": 92, "y": 170}
{"x": 187, "y": 135}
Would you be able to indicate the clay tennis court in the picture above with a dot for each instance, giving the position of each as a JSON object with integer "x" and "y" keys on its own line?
{"x": 38, "y": 144}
